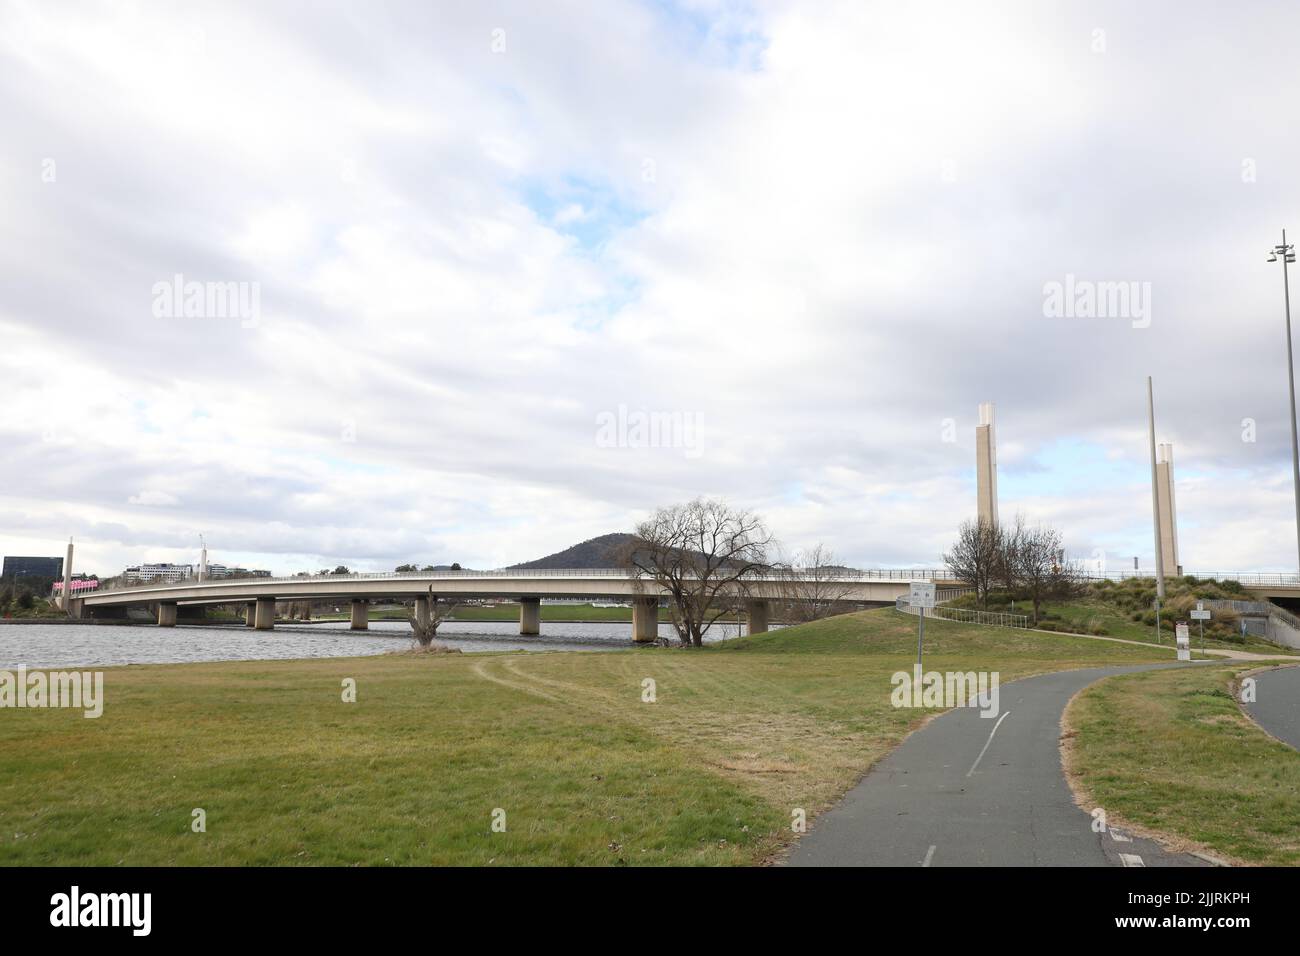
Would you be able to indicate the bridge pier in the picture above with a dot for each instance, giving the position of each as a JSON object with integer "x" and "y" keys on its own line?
{"x": 167, "y": 615}
{"x": 645, "y": 620}
{"x": 76, "y": 608}
{"x": 250, "y": 614}
{"x": 530, "y": 615}
{"x": 264, "y": 615}
{"x": 360, "y": 614}
{"x": 757, "y": 612}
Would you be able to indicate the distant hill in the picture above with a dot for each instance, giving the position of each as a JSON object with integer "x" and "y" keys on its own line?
{"x": 599, "y": 552}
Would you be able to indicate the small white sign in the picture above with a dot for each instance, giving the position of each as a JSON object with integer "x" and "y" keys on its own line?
{"x": 922, "y": 594}
{"x": 1184, "y": 641}
{"x": 1199, "y": 615}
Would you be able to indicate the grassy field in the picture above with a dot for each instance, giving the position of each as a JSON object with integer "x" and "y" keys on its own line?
{"x": 1169, "y": 751}
{"x": 740, "y": 735}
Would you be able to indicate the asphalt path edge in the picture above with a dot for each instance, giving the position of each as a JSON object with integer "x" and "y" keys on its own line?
{"x": 1234, "y": 687}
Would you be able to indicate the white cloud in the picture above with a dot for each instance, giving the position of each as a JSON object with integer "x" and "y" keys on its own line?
{"x": 821, "y": 229}
{"x": 153, "y": 499}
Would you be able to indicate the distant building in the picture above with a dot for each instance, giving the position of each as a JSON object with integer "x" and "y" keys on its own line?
{"x": 221, "y": 571}
{"x": 158, "y": 572}
{"x": 18, "y": 567}
{"x": 171, "y": 573}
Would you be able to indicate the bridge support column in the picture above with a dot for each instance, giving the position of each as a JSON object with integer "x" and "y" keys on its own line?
{"x": 423, "y": 612}
{"x": 166, "y": 615}
{"x": 76, "y": 608}
{"x": 264, "y": 615}
{"x": 360, "y": 614}
{"x": 645, "y": 620}
{"x": 250, "y": 614}
{"x": 757, "y": 613}
{"x": 530, "y": 615}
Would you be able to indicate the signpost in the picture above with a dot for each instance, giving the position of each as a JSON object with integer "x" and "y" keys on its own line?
{"x": 922, "y": 596}
{"x": 1201, "y": 615}
{"x": 1183, "y": 641}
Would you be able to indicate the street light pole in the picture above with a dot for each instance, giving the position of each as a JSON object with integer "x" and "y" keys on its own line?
{"x": 1287, "y": 254}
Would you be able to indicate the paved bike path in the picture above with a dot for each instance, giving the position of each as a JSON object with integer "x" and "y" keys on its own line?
{"x": 971, "y": 791}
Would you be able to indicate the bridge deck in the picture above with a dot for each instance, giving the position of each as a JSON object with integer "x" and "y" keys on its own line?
{"x": 860, "y": 586}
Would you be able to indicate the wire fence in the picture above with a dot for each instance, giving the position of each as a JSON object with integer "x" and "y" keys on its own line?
{"x": 965, "y": 615}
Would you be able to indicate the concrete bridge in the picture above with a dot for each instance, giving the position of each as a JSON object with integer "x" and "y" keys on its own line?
{"x": 260, "y": 595}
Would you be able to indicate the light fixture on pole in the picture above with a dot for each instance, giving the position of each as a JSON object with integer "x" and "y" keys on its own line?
{"x": 1286, "y": 253}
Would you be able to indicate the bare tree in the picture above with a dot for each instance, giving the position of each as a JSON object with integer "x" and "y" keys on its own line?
{"x": 439, "y": 610}
{"x": 702, "y": 554}
{"x": 811, "y": 584}
{"x": 976, "y": 557}
{"x": 1041, "y": 571}
{"x": 1010, "y": 538}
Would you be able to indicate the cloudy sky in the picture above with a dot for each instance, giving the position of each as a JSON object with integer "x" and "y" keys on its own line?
{"x": 474, "y": 246}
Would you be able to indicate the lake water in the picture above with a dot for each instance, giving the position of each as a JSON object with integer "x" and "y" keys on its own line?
{"x": 101, "y": 645}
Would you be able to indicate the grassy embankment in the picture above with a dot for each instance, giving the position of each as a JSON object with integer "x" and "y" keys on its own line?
{"x": 1170, "y": 752}
{"x": 1124, "y": 609}
{"x": 40, "y": 608}
{"x": 740, "y": 735}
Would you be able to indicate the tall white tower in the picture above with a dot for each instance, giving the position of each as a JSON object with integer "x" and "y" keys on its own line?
{"x": 66, "y": 598}
{"x": 986, "y": 466}
{"x": 1166, "y": 508}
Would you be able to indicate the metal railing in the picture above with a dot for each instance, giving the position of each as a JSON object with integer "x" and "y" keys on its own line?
{"x": 885, "y": 574}
{"x": 1248, "y": 578}
{"x": 965, "y": 616}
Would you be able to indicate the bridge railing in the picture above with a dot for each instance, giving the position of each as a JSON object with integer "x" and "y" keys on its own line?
{"x": 849, "y": 575}
{"x": 1248, "y": 578}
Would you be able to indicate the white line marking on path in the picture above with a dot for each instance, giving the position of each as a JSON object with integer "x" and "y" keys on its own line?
{"x": 1131, "y": 859}
{"x": 929, "y": 855}
{"x": 1119, "y": 837}
{"x": 986, "y": 743}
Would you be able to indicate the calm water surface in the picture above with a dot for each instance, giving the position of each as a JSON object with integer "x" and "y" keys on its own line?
{"x": 99, "y": 645}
